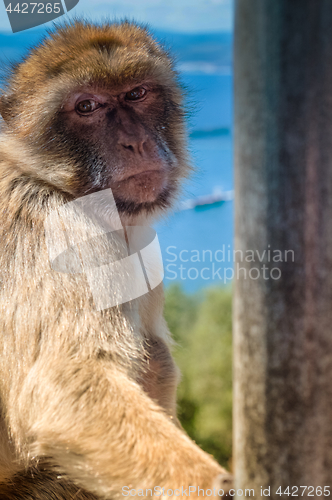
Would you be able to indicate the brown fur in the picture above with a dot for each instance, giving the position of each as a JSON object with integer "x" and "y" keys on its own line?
{"x": 87, "y": 397}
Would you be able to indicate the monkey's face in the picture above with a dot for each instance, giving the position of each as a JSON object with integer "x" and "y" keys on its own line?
{"x": 122, "y": 133}
{"x": 100, "y": 107}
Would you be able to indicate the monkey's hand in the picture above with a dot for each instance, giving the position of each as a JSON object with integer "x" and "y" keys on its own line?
{"x": 102, "y": 431}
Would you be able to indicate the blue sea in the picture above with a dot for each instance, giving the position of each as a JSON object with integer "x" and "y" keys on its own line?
{"x": 197, "y": 243}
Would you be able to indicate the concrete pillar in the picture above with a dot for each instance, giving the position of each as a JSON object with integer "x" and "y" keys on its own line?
{"x": 283, "y": 192}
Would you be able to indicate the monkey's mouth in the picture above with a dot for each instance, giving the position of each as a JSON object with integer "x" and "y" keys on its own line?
{"x": 140, "y": 175}
{"x": 141, "y": 187}
{"x": 136, "y": 173}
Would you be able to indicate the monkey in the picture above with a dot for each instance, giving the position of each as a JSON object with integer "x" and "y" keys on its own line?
{"x": 88, "y": 395}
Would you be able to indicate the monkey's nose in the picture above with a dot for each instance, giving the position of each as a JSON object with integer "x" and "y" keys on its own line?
{"x": 130, "y": 147}
{"x": 135, "y": 146}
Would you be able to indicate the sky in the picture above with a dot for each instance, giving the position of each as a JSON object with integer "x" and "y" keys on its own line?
{"x": 186, "y": 16}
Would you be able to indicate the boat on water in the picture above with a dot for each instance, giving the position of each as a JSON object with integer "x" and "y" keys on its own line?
{"x": 217, "y": 196}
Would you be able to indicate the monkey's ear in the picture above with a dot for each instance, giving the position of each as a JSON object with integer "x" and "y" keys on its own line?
{"x": 6, "y": 105}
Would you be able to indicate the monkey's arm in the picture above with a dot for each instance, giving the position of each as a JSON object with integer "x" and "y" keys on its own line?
{"x": 104, "y": 432}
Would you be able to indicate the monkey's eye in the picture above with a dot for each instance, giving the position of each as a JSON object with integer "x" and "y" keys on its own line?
{"x": 87, "y": 106}
{"x": 136, "y": 94}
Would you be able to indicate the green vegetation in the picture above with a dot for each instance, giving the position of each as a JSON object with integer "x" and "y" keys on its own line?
{"x": 202, "y": 328}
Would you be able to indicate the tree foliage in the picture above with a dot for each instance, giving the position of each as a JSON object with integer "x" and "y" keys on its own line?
{"x": 201, "y": 325}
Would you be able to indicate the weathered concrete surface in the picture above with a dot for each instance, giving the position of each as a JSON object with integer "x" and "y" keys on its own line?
{"x": 283, "y": 176}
